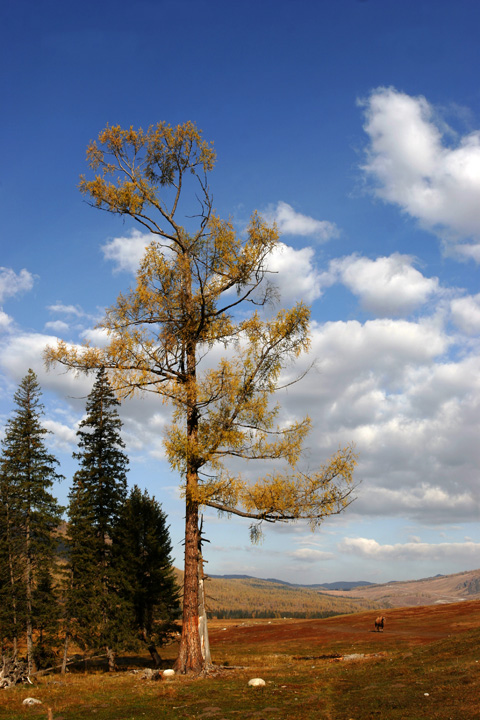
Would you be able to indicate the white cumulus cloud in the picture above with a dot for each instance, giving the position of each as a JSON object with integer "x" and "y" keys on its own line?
{"x": 126, "y": 252}
{"x": 413, "y": 166}
{"x": 296, "y": 274}
{"x": 466, "y": 313}
{"x": 386, "y": 286}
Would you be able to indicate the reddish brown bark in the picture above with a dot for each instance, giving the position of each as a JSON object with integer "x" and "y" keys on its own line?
{"x": 190, "y": 657}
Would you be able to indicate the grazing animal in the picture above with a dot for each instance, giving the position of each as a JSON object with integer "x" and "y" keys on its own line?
{"x": 379, "y": 623}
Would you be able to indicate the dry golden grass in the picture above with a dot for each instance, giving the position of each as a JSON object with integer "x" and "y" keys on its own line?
{"x": 424, "y": 666}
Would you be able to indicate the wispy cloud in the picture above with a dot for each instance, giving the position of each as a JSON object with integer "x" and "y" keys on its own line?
{"x": 12, "y": 283}
{"x": 291, "y": 222}
{"x": 58, "y": 326}
{"x": 369, "y": 548}
{"x": 310, "y": 555}
{"x": 72, "y": 310}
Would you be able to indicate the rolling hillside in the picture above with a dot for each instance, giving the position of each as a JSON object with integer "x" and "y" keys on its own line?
{"x": 428, "y": 591}
{"x": 252, "y": 597}
{"x": 243, "y": 596}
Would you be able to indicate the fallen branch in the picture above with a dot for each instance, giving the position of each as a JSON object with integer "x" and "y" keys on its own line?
{"x": 70, "y": 662}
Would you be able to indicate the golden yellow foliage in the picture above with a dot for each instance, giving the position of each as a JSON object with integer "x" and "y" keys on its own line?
{"x": 184, "y": 304}
{"x": 192, "y": 290}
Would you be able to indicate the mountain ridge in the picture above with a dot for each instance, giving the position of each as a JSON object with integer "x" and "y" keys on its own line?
{"x": 339, "y": 585}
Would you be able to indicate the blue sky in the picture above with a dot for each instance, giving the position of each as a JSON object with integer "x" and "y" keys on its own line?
{"x": 355, "y": 125}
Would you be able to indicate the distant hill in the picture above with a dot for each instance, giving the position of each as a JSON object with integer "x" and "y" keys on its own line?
{"x": 344, "y": 585}
{"x": 244, "y": 596}
{"x": 341, "y": 585}
{"x": 427, "y": 591}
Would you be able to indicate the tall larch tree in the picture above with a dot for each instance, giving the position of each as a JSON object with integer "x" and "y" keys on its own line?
{"x": 97, "y": 594}
{"x": 194, "y": 287}
{"x": 30, "y": 518}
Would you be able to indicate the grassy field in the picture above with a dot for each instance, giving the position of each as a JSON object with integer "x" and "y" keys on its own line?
{"x": 424, "y": 666}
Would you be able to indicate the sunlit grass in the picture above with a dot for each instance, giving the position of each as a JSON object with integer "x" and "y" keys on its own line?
{"x": 398, "y": 676}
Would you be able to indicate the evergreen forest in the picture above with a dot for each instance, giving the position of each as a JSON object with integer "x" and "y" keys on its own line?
{"x": 102, "y": 582}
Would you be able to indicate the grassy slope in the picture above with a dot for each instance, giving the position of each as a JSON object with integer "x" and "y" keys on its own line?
{"x": 264, "y": 598}
{"x": 425, "y": 666}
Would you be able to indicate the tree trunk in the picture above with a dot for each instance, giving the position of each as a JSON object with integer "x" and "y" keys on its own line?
{"x": 13, "y": 588}
{"x": 151, "y": 647}
{"x": 65, "y": 653}
{"x": 14, "y": 608}
{"x": 112, "y": 665}
{"x": 190, "y": 657}
{"x": 29, "y": 591}
{"x": 157, "y": 660}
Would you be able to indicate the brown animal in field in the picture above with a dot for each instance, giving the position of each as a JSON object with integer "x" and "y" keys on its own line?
{"x": 379, "y": 623}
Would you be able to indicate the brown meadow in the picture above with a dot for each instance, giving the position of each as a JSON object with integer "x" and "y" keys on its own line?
{"x": 424, "y": 666}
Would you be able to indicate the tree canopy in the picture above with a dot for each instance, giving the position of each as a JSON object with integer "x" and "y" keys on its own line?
{"x": 202, "y": 292}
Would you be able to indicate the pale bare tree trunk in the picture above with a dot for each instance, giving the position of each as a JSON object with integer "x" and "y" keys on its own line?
{"x": 65, "y": 653}
{"x": 112, "y": 665}
{"x": 202, "y": 615}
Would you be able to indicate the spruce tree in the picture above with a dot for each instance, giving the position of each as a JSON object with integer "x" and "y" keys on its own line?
{"x": 98, "y": 593}
{"x": 29, "y": 518}
{"x": 147, "y": 549}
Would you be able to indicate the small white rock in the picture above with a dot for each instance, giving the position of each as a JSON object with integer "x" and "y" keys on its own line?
{"x": 257, "y": 682}
{"x": 168, "y": 673}
{"x": 32, "y": 701}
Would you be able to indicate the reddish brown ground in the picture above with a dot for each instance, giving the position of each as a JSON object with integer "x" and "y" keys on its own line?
{"x": 404, "y": 626}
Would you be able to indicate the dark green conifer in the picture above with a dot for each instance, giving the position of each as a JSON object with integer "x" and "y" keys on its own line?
{"x": 147, "y": 555}
{"x": 98, "y": 595}
{"x": 29, "y": 516}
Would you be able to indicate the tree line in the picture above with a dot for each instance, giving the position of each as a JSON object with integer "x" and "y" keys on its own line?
{"x": 260, "y": 613}
{"x": 107, "y": 582}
